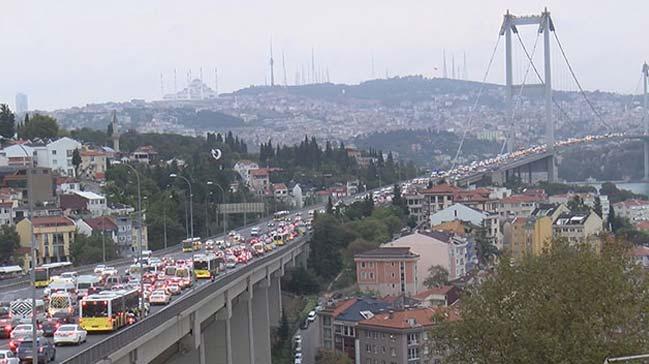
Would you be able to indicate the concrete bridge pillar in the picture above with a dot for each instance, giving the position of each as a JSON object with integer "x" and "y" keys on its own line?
{"x": 218, "y": 337}
{"x": 242, "y": 332}
{"x": 275, "y": 299}
{"x": 261, "y": 322}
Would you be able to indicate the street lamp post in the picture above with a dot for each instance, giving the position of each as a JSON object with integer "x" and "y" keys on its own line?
{"x": 208, "y": 193}
{"x": 139, "y": 237}
{"x": 191, "y": 207}
{"x": 164, "y": 221}
{"x": 30, "y": 202}
{"x": 223, "y": 199}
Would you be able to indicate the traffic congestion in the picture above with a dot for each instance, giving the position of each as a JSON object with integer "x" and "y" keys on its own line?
{"x": 74, "y": 310}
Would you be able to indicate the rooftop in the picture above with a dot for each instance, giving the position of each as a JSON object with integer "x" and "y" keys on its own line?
{"x": 387, "y": 252}
{"x": 408, "y": 319}
{"x": 46, "y": 221}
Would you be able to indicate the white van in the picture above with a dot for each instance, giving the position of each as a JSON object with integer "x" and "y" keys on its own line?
{"x": 87, "y": 285}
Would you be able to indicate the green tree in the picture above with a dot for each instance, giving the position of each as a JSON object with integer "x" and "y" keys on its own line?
{"x": 39, "y": 126}
{"x": 9, "y": 242}
{"x": 325, "y": 356}
{"x": 567, "y": 305}
{"x": 485, "y": 247}
{"x": 576, "y": 205}
{"x": 437, "y": 277}
{"x": 327, "y": 242}
{"x": 330, "y": 206}
{"x": 301, "y": 281}
{"x": 7, "y": 122}
{"x": 89, "y": 249}
{"x": 76, "y": 160}
{"x": 284, "y": 330}
{"x": 597, "y": 206}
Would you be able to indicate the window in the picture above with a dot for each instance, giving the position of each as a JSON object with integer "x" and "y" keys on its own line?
{"x": 53, "y": 152}
{"x": 371, "y": 275}
{"x": 413, "y": 339}
{"x": 368, "y": 348}
{"x": 413, "y": 353}
{"x": 69, "y": 152}
{"x": 393, "y": 351}
{"x": 362, "y": 264}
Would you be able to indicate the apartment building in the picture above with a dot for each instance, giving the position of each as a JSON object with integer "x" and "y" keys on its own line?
{"x": 525, "y": 235}
{"x": 400, "y": 337}
{"x": 388, "y": 271}
{"x": 472, "y": 215}
{"x": 53, "y": 236}
{"x": 579, "y": 227}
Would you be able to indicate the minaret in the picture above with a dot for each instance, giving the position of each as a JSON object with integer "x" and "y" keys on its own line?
{"x": 272, "y": 68}
{"x": 115, "y": 135}
{"x": 444, "y": 72}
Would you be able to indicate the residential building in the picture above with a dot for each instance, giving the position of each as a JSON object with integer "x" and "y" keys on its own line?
{"x": 125, "y": 230}
{"x": 104, "y": 225}
{"x": 280, "y": 191}
{"x": 415, "y": 202}
{"x": 438, "y": 197}
{"x": 387, "y": 271}
{"x": 338, "y": 323}
{"x": 634, "y": 210}
{"x": 66, "y": 184}
{"x": 144, "y": 154}
{"x": 640, "y": 255}
{"x": 400, "y": 337}
{"x": 260, "y": 180}
{"x": 53, "y": 235}
{"x": 59, "y": 156}
{"x": 587, "y": 198}
{"x": 243, "y": 168}
{"x": 526, "y": 235}
{"x": 93, "y": 164}
{"x": 298, "y": 198}
{"x": 518, "y": 205}
{"x": 439, "y": 296}
{"x": 579, "y": 228}
{"x": 472, "y": 215}
{"x": 437, "y": 248}
{"x": 81, "y": 202}
{"x": 7, "y": 213}
{"x": 43, "y": 186}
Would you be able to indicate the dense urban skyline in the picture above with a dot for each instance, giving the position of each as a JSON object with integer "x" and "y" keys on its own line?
{"x": 65, "y": 54}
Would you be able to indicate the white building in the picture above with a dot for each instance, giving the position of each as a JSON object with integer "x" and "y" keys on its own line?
{"x": 243, "y": 168}
{"x": 634, "y": 210}
{"x": 474, "y": 216}
{"x": 298, "y": 199}
{"x": 95, "y": 203}
{"x": 59, "y": 156}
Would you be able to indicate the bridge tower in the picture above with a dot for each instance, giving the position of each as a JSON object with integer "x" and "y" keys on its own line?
{"x": 545, "y": 26}
{"x": 645, "y": 81}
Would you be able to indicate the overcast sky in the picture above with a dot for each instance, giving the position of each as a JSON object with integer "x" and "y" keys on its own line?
{"x": 71, "y": 52}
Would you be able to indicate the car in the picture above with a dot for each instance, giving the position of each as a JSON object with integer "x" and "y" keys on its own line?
{"x": 23, "y": 331}
{"x": 8, "y": 357}
{"x": 159, "y": 297}
{"x": 305, "y": 324}
{"x": 70, "y": 334}
{"x": 174, "y": 288}
{"x": 99, "y": 268}
{"x": 311, "y": 316}
{"x": 6, "y": 326}
{"x": 49, "y": 326}
{"x": 298, "y": 358}
{"x": 298, "y": 343}
{"x": 46, "y": 352}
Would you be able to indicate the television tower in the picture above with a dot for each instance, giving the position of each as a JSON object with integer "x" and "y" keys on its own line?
{"x": 453, "y": 66}
{"x": 272, "y": 68}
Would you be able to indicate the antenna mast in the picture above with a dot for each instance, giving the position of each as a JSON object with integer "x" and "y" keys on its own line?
{"x": 272, "y": 68}
{"x": 284, "y": 68}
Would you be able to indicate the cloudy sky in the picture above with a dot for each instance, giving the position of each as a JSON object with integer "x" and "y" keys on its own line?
{"x": 71, "y": 52}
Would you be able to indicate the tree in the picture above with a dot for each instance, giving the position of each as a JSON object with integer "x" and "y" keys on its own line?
{"x": 485, "y": 246}
{"x": 89, "y": 249}
{"x": 597, "y": 206}
{"x": 76, "y": 160}
{"x": 569, "y": 304}
{"x": 109, "y": 130}
{"x": 7, "y": 122}
{"x": 39, "y": 126}
{"x": 330, "y": 206}
{"x": 325, "y": 356}
{"x": 284, "y": 330}
{"x": 576, "y": 205}
{"x": 437, "y": 277}
{"x": 9, "y": 242}
{"x": 301, "y": 281}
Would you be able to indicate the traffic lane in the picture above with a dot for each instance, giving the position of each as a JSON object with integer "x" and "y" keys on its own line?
{"x": 310, "y": 342}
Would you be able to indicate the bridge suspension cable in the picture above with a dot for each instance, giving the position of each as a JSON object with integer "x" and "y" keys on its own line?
{"x": 520, "y": 94}
{"x": 581, "y": 90}
{"x": 475, "y": 103}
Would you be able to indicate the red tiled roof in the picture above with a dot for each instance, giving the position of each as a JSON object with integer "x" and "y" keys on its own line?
{"x": 343, "y": 306}
{"x": 642, "y": 225}
{"x": 640, "y": 251}
{"x": 443, "y": 188}
{"x": 92, "y": 153}
{"x": 259, "y": 172}
{"x": 402, "y": 319}
{"x": 44, "y": 221}
{"x": 521, "y": 198}
{"x": 442, "y": 290}
{"x": 279, "y": 186}
{"x": 100, "y": 223}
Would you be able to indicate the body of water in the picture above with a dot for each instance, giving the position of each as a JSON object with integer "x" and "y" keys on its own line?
{"x": 635, "y": 187}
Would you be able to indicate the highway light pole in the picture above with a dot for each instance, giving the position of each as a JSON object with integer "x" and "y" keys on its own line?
{"x": 223, "y": 199}
{"x": 139, "y": 237}
{"x": 208, "y": 193}
{"x": 191, "y": 207}
{"x": 30, "y": 202}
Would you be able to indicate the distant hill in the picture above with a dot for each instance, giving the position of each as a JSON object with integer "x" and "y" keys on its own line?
{"x": 392, "y": 90}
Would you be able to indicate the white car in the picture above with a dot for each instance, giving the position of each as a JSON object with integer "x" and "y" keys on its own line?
{"x": 298, "y": 358}
{"x": 22, "y": 331}
{"x": 311, "y": 316}
{"x": 99, "y": 268}
{"x": 159, "y": 297}
{"x": 70, "y": 334}
{"x": 8, "y": 357}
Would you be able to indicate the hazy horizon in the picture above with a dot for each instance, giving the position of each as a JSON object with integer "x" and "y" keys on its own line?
{"x": 67, "y": 53}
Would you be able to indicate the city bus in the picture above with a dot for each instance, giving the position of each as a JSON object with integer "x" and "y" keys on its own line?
{"x": 45, "y": 272}
{"x": 280, "y": 215}
{"x": 188, "y": 244}
{"x": 206, "y": 266}
{"x": 10, "y": 271}
{"x": 108, "y": 311}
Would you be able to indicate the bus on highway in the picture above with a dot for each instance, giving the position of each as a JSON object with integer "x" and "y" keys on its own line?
{"x": 206, "y": 266}
{"x": 188, "y": 244}
{"x": 108, "y": 311}
{"x": 11, "y": 271}
{"x": 280, "y": 215}
{"x": 45, "y": 272}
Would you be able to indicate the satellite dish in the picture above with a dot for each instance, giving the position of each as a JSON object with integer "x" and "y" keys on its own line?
{"x": 216, "y": 154}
